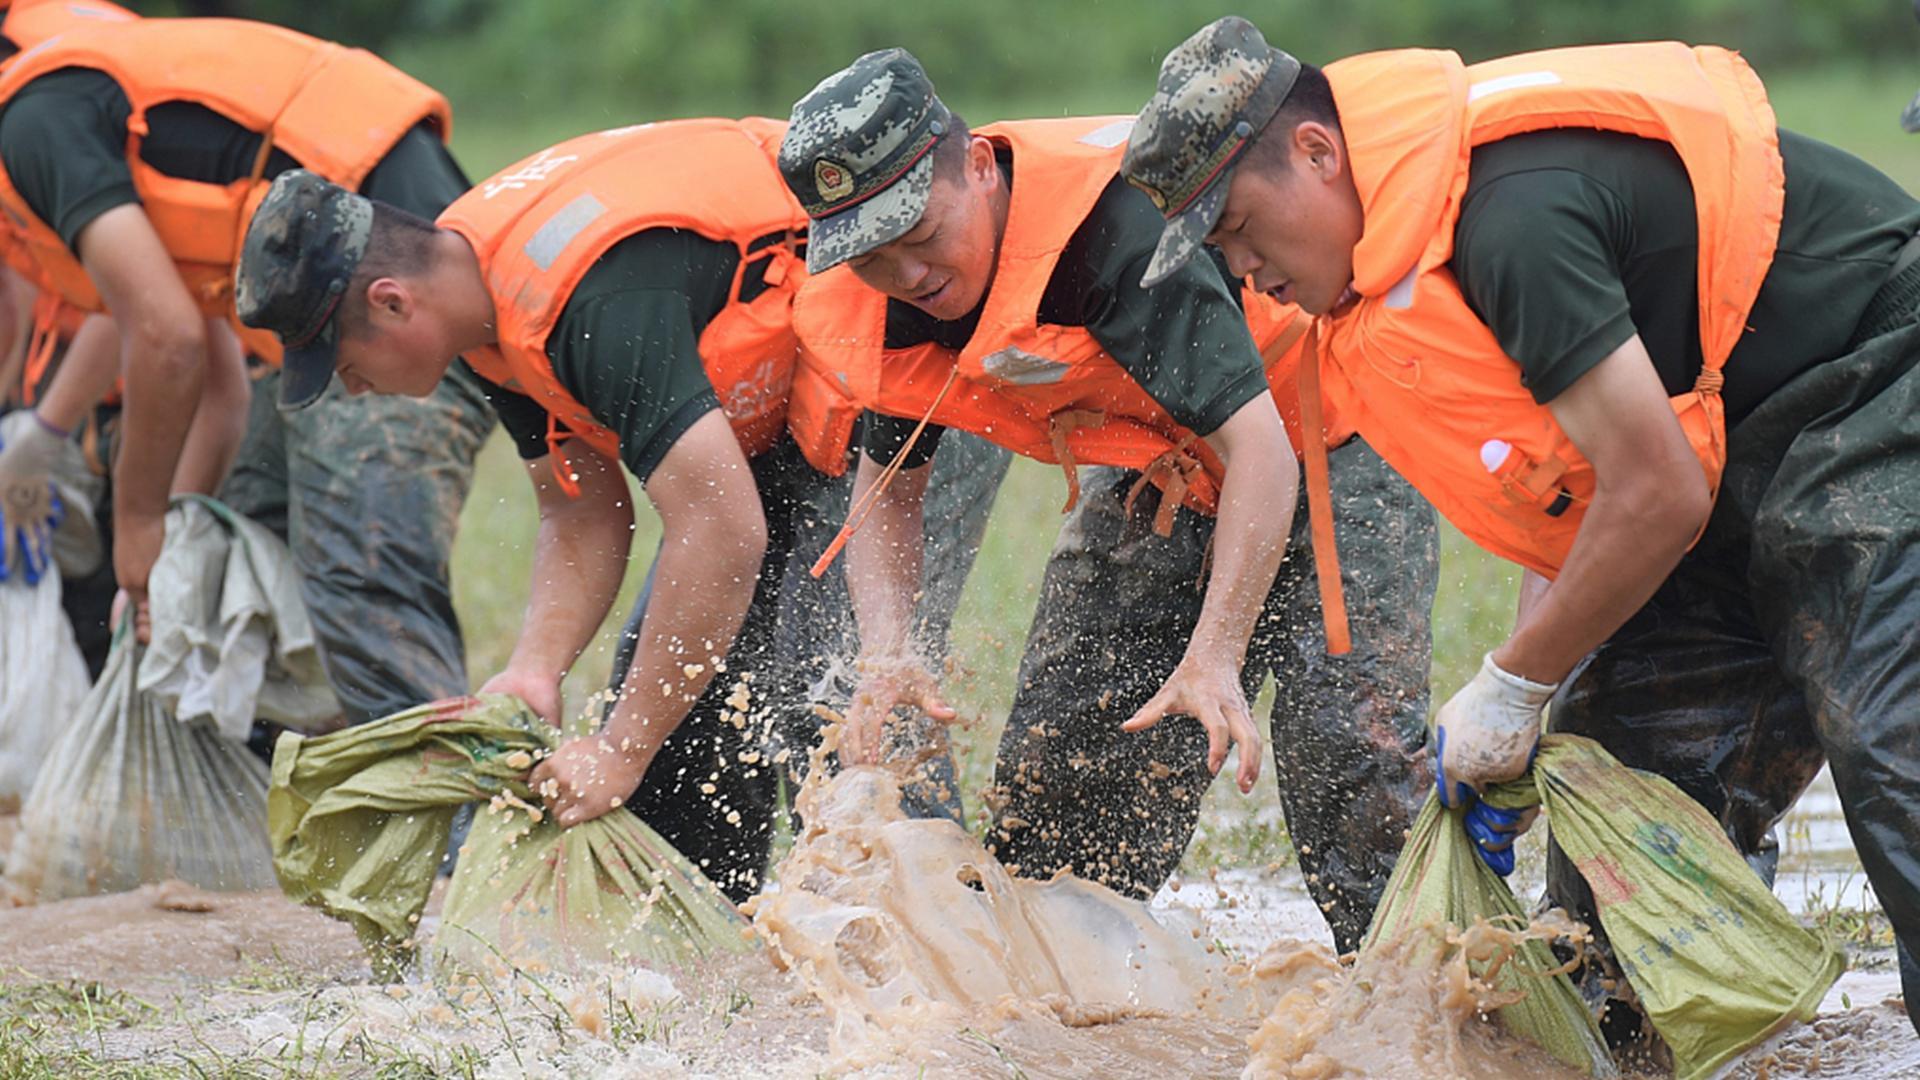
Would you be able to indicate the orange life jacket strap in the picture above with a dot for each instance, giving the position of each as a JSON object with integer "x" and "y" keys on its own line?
{"x": 1326, "y": 559}
{"x": 857, "y": 515}
{"x": 41, "y": 343}
{"x": 563, "y": 472}
{"x": 1178, "y": 467}
{"x": 1059, "y": 426}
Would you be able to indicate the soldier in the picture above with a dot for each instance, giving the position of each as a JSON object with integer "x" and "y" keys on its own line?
{"x": 131, "y": 152}
{"x": 1649, "y": 346}
{"x": 626, "y": 295}
{"x": 989, "y": 281}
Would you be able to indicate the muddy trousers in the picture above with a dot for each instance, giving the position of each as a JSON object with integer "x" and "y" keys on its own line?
{"x": 1790, "y": 635}
{"x": 1116, "y": 609}
{"x": 367, "y": 492}
{"x": 713, "y": 790}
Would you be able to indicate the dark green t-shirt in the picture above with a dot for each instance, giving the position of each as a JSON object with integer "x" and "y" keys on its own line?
{"x": 63, "y": 139}
{"x": 627, "y": 344}
{"x": 1570, "y": 242}
{"x": 1184, "y": 341}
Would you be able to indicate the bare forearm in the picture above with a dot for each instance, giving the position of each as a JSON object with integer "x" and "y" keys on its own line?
{"x": 87, "y": 372}
{"x": 703, "y": 584}
{"x": 220, "y": 421}
{"x": 163, "y": 380}
{"x": 1250, "y": 537}
{"x": 885, "y": 560}
{"x": 580, "y": 558}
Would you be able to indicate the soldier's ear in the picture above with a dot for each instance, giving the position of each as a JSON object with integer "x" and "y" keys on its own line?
{"x": 981, "y": 165}
{"x": 389, "y": 299}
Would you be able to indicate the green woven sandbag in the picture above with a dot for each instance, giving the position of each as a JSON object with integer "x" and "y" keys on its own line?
{"x": 1716, "y": 960}
{"x": 359, "y": 820}
{"x": 1440, "y": 885}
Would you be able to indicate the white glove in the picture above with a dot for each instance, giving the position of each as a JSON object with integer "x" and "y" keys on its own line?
{"x": 1487, "y": 732}
{"x": 28, "y": 454}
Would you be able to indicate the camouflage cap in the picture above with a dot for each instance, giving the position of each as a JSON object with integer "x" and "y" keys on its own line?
{"x": 301, "y": 249}
{"x": 1215, "y": 94}
{"x": 857, "y": 155}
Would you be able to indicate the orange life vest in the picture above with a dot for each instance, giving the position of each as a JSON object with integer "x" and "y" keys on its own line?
{"x": 334, "y": 109}
{"x": 1047, "y": 392}
{"x": 539, "y": 226}
{"x": 30, "y": 22}
{"x": 1411, "y": 365}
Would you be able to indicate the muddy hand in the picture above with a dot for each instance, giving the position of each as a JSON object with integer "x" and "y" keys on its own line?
{"x": 584, "y": 779}
{"x": 540, "y": 692}
{"x": 1211, "y": 694}
{"x": 885, "y": 683}
{"x": 1486, "y": 733}
{"x": 28, "y": 514}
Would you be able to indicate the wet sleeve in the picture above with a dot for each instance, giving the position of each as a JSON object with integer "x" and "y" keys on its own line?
{"x": 64, "y": 144}
{"x": 632, "y": 357}
{"x": 883, "y": 438}
{"x": 1534, "y": 253}
{"x": 1185, "y": 341}
{"x": 524, "y": 419}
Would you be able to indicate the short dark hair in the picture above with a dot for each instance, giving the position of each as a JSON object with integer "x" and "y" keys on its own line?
{"x": 950, "y": 153}
{"x": 400, "y": 245}
{"x": 1311, "y": 99}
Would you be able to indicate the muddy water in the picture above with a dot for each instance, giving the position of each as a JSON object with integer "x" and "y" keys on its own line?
{"x": 994, "y": 979}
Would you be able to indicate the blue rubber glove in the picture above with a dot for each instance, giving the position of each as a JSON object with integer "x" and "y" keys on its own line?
{"x": 1492, "y": 829}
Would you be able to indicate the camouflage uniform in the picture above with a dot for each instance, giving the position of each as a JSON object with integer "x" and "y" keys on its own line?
{"x": 795, "y": 640}
{"x": 1116, "y": 608}
{"x": 1119, "y": 602}
{"x": 367, "y": 491}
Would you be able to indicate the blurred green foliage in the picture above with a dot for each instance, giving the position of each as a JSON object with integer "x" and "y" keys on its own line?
{"x": 656, "y": 58}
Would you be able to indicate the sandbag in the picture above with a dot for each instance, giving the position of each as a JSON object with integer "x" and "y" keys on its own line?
{"x": 43, "y": 677}
{"x": 129, "y": 795}
{"x": 1439, "y": 889}
{"x": 134, "y": 792}
{"x": 359, "y": 819}
{"x": 43, "y": 680}
{"x": 1715, "y": 960}
{"x": 231, "y": 639}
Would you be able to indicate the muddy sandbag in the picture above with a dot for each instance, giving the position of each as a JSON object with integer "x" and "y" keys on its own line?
{"x": 359, "y": 820}
{"x": 135, "y": 792}
{"x": 1717, "y": 962}
{"x": 231, "y": 639}
{"x": 43, "y": 680}
{"x": 1443, "y": 905}
{"x": 43, "y": 677}
{"x": 129, "y": 796}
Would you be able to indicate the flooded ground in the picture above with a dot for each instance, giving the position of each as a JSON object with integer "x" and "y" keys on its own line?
{"x": 171, "y": 981}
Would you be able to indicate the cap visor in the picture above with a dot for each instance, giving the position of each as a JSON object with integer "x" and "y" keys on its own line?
{"x": 1185, "y": 233}
{"x": 305, "y": 373}
{"x": 881, "y": 219}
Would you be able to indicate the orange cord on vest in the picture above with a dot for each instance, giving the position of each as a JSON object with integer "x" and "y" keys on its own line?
{"x": 1326, "y": 559}
{"x": 562, "y": 468}
{"x": 857, "y": 515}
